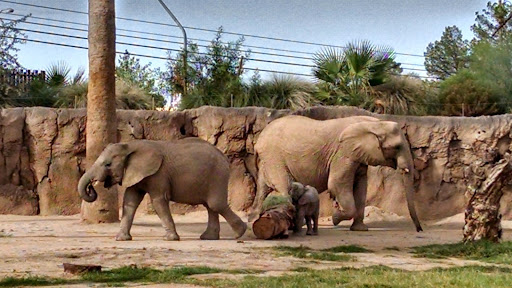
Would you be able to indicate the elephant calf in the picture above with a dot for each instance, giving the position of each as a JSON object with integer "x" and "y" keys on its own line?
{"x": 307, "y": 206}
{"x": 190, "y": 171}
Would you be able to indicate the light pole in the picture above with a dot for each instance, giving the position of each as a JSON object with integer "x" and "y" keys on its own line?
{"x": 185, "y": 68}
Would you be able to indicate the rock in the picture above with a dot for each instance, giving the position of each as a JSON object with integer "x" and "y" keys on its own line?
{"x": 42, "y": 153}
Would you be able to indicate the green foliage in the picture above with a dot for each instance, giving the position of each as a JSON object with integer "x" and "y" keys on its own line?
{"x": 480, "y": 250}
{"x": 308, "y": 253}
{"x": 275, "y": 200}
{"x": 213, "y": 77}
{"x": 466, "y": 93}
{"x": 347, "y": 249}
{"x": 407, "y": 95}
{"x": 279, "y": 92}
{"x": 131, "y": 96}
{"x": 485, "y": 88}
{"x": 131, "y": 72}
{"x": 31, "y": 281}
{"x": 346, "y": 76}
{"x": 448, "y": 55}
{"x": 58, "y": 89}
{"x": 378, "y": 276}
{"x": 489, "y": 19}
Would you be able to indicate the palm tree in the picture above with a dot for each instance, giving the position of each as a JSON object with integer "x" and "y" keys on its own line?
{"x": 58, "y": 88}
{"x": 346, "y": 76}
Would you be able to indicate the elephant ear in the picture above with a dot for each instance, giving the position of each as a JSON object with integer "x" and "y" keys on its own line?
{"x": 309, "y": 196}
{"x": 360, "y": 142}
{"x": 141, "y": 163}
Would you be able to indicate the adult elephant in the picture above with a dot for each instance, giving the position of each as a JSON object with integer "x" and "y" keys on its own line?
{"x": 330, "y": 155}
{"x": 190, "y": 171}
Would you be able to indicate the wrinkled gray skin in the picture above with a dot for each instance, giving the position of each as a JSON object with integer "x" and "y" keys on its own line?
{"x": 307, "y": 206}
{"x": 190, "y": 171}
{"x": 332, "y": 156}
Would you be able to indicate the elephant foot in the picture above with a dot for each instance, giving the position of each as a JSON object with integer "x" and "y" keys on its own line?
{"x": 171, "y": 237}
{"x": 121, "y": 236}
{"x": 209, "y": 235}
{"x": 339, "y": 216}
{"x": 240, "y": 230}
{"x": 312, "y": 232}
{"x": 359, "y": 227}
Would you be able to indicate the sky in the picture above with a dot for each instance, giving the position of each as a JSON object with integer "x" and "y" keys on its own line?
{"x": 407, "y": 26}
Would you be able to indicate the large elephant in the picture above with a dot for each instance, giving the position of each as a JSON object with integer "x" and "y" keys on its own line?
{"x": 190, "y": 171}
{"x": 330, "y": 155}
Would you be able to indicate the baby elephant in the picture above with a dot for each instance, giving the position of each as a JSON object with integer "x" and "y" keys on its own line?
{"x": 307, "y": 205}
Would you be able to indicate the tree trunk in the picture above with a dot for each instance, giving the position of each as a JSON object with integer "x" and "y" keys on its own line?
{"x": 274, "y": 222}
{"x": 101, "y": 104}
{"x": 482, "y": 217}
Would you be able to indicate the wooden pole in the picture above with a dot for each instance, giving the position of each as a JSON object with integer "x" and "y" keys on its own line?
{"x": 101, "y": 104}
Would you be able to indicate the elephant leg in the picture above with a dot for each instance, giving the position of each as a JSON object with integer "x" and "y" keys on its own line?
{"x": 131, "y": 201}
{"x": 278, "y": 180}
{"x": 237, "y": 224}
{"x": 213, "y": 229}
{"x": 341, "y": 185}
{"x": 315, "y": 223}
{"x": 299, "y": 220}
{"x": 308, "y": 224}
{"x": 164, "y": 213}
{"x": 360, "y": 190}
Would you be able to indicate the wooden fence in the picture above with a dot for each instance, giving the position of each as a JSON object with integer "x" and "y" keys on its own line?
{"x": 21, "y": 78}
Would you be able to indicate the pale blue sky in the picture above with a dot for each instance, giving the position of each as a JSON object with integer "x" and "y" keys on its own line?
{"x": 406, "y": 26}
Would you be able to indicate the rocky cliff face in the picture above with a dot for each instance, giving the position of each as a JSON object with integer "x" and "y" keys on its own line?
{"x": 42, "y": 154}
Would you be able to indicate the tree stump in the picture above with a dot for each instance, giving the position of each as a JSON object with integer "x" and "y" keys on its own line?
{"x": 276, "y": 218}
{"x": 482, "y": 217}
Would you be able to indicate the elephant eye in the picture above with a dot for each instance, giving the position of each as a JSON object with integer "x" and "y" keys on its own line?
{"x": 108, "y": 164}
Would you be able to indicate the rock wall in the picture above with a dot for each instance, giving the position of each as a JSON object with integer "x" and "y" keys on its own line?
{"x": 42, "y": 154}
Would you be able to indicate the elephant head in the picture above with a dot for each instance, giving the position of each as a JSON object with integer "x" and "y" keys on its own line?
{"x": 125, "y": 164}
{"x": 382, "y": 143}
{"x": 296, "y": 191}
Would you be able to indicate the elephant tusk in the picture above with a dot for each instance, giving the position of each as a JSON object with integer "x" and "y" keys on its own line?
{"x": 406, "y": 170}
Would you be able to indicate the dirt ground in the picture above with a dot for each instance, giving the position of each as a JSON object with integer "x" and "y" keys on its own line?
{"x": 37, "y": 245}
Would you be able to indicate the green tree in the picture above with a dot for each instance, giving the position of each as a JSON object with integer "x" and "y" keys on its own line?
{"x": 464, "y": 94}
{"x": 132, "y": 72}
{"x": 489, "y": 19}
{"x": 213, "y": 76}
{"x": 10, "y": 37}
{"x": 448, "y": 55}
{"x": 346, "y": 76}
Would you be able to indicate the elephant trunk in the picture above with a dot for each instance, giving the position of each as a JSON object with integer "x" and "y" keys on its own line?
{"x": 87, "y": 192}
{"x": 409, "y": 195}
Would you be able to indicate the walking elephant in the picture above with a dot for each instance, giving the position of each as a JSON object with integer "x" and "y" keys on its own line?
{"x": 190, "y": 171}
{"x": 331, "y": 155}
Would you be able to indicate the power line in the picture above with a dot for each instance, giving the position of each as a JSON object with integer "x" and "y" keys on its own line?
{"x": 177, "y": 50}
{"x": 175, "y": 42}
{"x": 200, "y": 29}
{"x": 160, "y": 40}
{"x": 156, "y": 57}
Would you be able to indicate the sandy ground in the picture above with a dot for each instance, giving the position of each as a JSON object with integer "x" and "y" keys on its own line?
{"x": 38, "y": 245}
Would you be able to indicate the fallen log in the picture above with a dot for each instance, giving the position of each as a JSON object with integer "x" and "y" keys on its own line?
{"x": 276, "y": 218}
